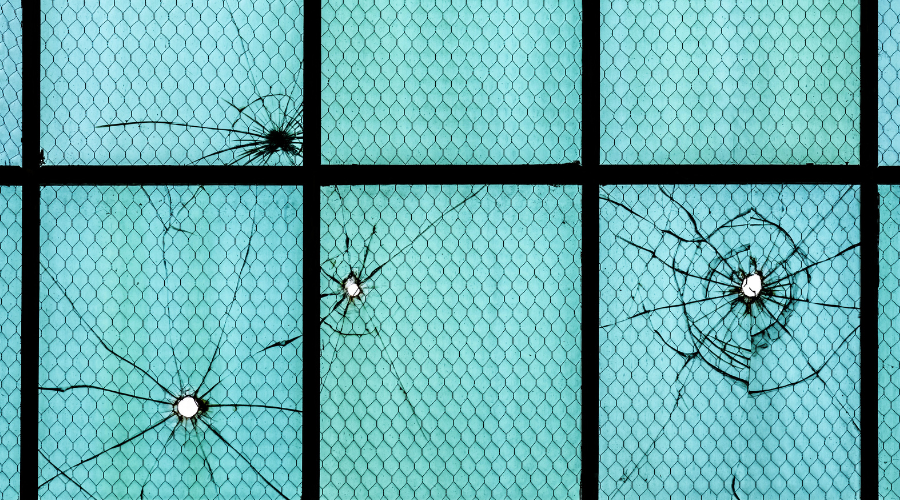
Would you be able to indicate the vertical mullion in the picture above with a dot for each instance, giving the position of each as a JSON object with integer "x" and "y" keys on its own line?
{"x": 312, "y": 158}
{"x": 30, "y": 300}
{"x": 590, "y": 342}
{"x": 311, "y": 341}
{"x": 868, "y": 340}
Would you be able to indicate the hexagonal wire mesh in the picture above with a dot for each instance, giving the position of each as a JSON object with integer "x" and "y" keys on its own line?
{"x": 451, "y": 326}
{"x": 889, "y": 344}
{"x": 693, "y": 81}
{"x": 150, "y": 294}
{"x": 11, "y": 84}
{"x": 441, "y": 82}
{"x": 225, "y": 70}
{"x": 729, "y": 352}
{"x": 888, "y": 83}
{"x": 10, "y": 338}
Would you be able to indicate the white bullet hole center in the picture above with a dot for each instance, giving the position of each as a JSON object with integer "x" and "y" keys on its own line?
{"x": 752, "y": 285}
{"x": 352, "y": 288}
{"x": 188, "y": 407}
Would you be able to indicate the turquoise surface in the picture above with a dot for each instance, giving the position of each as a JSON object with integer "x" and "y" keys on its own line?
{"x": 889, "y": 345}
{"x": 440, "y": 82}
{"x": 11, "y": 83}
{"x": 194, "y": 62}
{"x": 706, "y": 395}
{"x": 155, "y": 292}
{"x": 888, "y": 83}
{"x": 10, "y": 338}
{"x": 727, "y": 81}
{"x": 457, "y": 374}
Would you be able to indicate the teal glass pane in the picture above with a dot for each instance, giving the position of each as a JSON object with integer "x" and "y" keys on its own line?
{"x": 451, "y": 82}
{"x": 153, "y": 294}
{"x": 729, "y": 342}
{"x": 451, "y": 342}
{"x": 888, "y": 83}
{"x": 10, "y": 339}
{"x": 696, "y": 82}
{"x": 200, "y": 77}
{"x": 889, "y": 345}
{"x": 11, "y": 83}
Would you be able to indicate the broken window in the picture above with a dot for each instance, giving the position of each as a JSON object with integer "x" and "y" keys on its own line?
{"x": 156, "y": 306}
{"x": 729, "y": 341}
{"x": 206, "y": 82}
{"x": 451, "y": 353}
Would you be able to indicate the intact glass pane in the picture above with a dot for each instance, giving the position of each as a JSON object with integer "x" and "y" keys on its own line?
{"x": 888, "y": 83}
{"x": 451, "y": 82}
{"x": 11, "y": 83}
{"x": 889, "y": 344}
{"x": 10, "y": 339}
{"x": 165, "y": 366}
{"x": 451, "y": 342}
{"x": 752, "y": 82}
{"x": 729, "y": 342}
{"x": 171, "y": 82}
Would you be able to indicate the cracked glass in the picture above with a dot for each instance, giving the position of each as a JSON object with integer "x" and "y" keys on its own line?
{"x": 157, "y": 305}
{"x": 729, "y": 355}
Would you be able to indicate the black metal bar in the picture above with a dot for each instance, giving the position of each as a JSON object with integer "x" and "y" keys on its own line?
{"x": 311, "y": 342}
{"x": 868, "y": 340}
{"x": 590, "y": 342}
{"x": 31, "y": 68}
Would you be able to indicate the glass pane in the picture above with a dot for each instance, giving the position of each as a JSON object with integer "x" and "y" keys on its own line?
{"x": 889, "y": 344}
{"x": 758, "y": 82}
{"x": 158, "y": 307}
{"x": 729, "y": 342}
{"x": 888, "y": 83}
{"x": 182, "y": 82}
{"x": 11, "y": 84}
{"x": 409, "y": 82}
{"x": 10, "y": 339}
{"x": 451, "y": 331}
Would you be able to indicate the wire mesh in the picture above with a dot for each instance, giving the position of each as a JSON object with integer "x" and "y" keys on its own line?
{"x": 729, "y": 342}
{"x": 150, "y": 294}
{"x": 11, "y": 83}
{"x": 888, "y": 345}
{"x": 451, "y": 348}
{"x": 227, "y": 68}
{"x": 451, "y": 82}
{"x": 699, "y": 82}
{"x": 10, "y": 338}
{"x": 888, "y": 83}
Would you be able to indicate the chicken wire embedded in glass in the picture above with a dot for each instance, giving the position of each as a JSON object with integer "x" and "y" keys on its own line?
{"x": 704, "y": 392}
{"x": 693, "y": 82}
{"x": 154, "y": 292}
{"x": 458, "y": 373}
{"x": 889, "y": 344}
{"x": 11, "y": 84}
{"x": 202, "y": 63}
{"x": 10, "y": 339}
{"x": 451, "y": 82}
{"x": 888, "y": 83}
